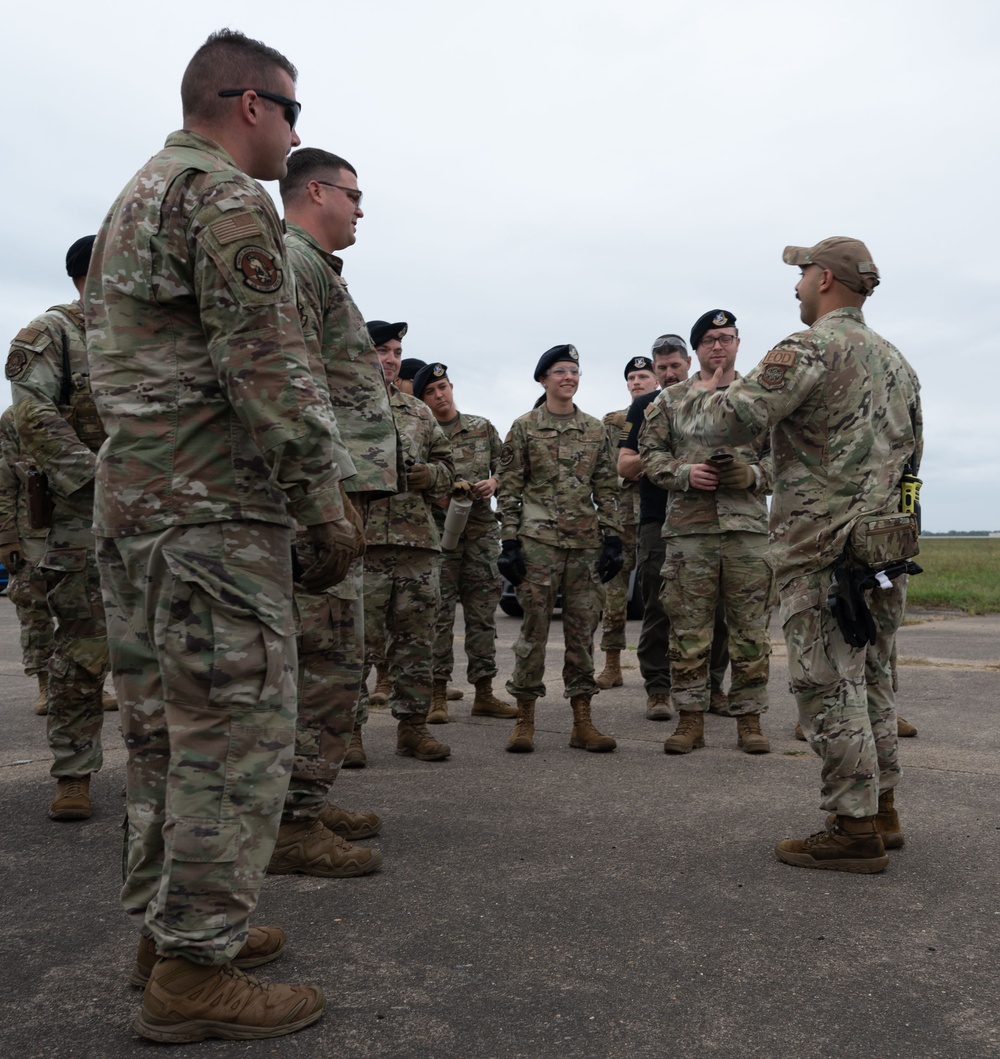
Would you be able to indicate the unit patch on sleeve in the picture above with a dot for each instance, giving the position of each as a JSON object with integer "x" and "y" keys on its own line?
{"x": 506, "y": 455}
{"x": 259, "y": 270}
{"x": 17, "y": 360}
{"x": 774, "y": 367}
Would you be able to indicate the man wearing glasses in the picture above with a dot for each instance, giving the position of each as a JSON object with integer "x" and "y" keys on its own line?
{"x": 218, "y": 442}
{"x": 716, "y": 545}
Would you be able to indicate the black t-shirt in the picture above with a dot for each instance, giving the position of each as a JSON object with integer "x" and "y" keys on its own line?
{"x": 652, "y": 499}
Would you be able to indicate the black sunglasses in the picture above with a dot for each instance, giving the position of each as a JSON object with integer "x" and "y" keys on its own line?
{"x": 292, "y": 107}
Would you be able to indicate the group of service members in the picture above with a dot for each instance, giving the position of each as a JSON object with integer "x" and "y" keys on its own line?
{"x": 218, "y": 496}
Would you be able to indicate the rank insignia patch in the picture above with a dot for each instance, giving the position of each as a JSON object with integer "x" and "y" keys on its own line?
{"x": 259, "y": 271}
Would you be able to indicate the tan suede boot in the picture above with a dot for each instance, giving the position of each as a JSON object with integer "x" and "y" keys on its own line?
{"x": 454, "y": 694}
{"x": 355, "y": 757}
{"x": 688, "y": 735}
{"x": 438, "y": 713}
{"x": 306, "y": 847}
{"x": 41, "y": 703}
{"x": 905, "y": 730}
{"x": 522, "y": 739}
{"x": 850, "y": 845}
{"x": 486, "y": 704}
{"x": 72, "y": 800}
{"x": 109, "y": 702}
{"x": 413, "y": 740}
{"x": 584, "y": 735}
{"x": 886, "y": 822}
{"x": 658, "y": 707}
{"x": 749, "y": 738}
{"x": 263, "y": 945}
{"x": 185, "y": 1001}
{"x": 718, "y": 702}
{"x": 383, "y": 689}
{"x": 351, "y": 826}
{"x": 611, "y": 675}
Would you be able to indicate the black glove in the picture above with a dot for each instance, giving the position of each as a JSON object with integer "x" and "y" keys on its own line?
{"x": 847, "y": 601}
{"x": 611, "y": 560}
{"x": 511, "y": 562}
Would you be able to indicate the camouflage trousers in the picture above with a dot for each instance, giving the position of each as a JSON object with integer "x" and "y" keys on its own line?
{"x": 330, "y": 648}
{"x": 549, "y": 571}
{"x": 698, "y": 572}
{"x": 202, "y": 636}
{"x": 616, "y": 596}
{"x": 654, "y": 638}
{"x": 469, "y": 574}
{"x": 78, "y": 662}
{"x": 850, "y": 726}
{"x": 402, "y": 595}
{"x": 28, "y": 591}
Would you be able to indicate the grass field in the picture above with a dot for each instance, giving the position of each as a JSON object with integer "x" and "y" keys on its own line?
{"x": 961, "y": 573}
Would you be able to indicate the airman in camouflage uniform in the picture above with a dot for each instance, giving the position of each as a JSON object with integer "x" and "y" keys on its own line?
{"x": 640, "y": 377}
{"x": 826, "y": 395}
{"x": 59, "y": 434}
{"x": 716, "y": 544}
{"x": 21, "y": 550}
{"x": 560, "y": 532}
{"x": 469, "y": 570}
{"x": 322, "y": 207}
{"x": 219, "y": 443}
{"x": 402, "y": 565}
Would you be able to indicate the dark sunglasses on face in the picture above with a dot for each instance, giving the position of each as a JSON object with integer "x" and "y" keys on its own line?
{"x": 292, "y": 107}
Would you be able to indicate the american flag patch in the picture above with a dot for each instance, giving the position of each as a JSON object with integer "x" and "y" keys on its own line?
{"x": 239, "y": 226}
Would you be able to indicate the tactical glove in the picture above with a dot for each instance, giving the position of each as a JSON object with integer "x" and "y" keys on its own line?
{"x": 737, "y": 474}
{"x": 847, "y": 601}
{"x": 419, "y": 477}
{"x": 611, "y": 560}
{"x": 336, "y": 545}
{"x": 462, "y": 490}
{"x": 511, "y": 562}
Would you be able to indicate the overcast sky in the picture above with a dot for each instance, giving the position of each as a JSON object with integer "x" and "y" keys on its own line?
{"x": 570, "y": 171}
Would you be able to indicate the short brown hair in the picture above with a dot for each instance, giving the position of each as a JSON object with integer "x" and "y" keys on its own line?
{"x": 228, "y": 59}
{"x": 304, "y": 164}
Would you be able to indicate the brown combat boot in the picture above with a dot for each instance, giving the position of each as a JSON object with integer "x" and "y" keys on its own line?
{"x": 72, "y": 800}
{"x": 383, "y": 689}
{"x": 749, "y": 738}
{"x": 454, "y": 694}
{"x": 522, "y": 739}
{"x": 486, "y": 704}
{"x": 584, "y": 735}
{"x": 799, "y": 734}
{"x": 263, "y": 945}
{"x": 904, "y": 729}
{"x": 718, "y": 702}
{"x": 355, "y": 758}
{"x": 658, "y": 707}
{"x": 351, "y": 826}
{"x": 850, "y": 845}
{"x": 41, "y": 703}
{"x": 438, "y": 713}
{"x": 886, "y": 822}
{"x": 413, "y": 740}
{"x": 611, "y": 675}
{"x": 109, "y": 701}
{"x": 689, "y": 734}
{"x": 307, "y": 847}
{"x": 186, "y": 1001}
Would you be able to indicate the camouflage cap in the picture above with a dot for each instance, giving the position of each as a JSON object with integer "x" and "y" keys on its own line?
{"x": 382, "y": 331}
{"x": 428, "y": 373}
{"x": 409, "y": 366}
{"x": 638, "y": 364}
{"x": 705, "y": 322}
{"x": 78, "y": 257}
{"x": 553, "y": 356}
{"x": 668, "y": 343}
{"x": 848, "y": 260}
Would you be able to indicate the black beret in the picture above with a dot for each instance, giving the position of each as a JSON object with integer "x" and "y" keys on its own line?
{"x": 409, "y": 366}
{"x": 638, "y": 364}
{"x": 551, "y": 356}
{"x": 428, "y": 373}
{"x": 382, "y": 331}
{"x": 713, "y": 318}
{"x": 78, "y": 257}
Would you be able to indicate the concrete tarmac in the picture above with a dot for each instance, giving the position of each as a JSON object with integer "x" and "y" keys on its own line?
{"x": 560, "y": 903}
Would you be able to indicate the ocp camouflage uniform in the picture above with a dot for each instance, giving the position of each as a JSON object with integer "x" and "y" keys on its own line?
{"x": 218, "y": 440}
{"x": 558, "y": 497}
{"x": 60, "y": 432}
{"x": 469, "y": 571}
{"x": 716, "y": 543}
{"x": 616, "y": 590}
{"x": 331, "y": 623}
{"x": 825, "y": 393}
{"x": 26, "y": 587}
{"x": 402, "y": 590}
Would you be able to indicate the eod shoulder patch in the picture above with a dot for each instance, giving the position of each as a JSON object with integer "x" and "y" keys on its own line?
{"x": 774, "y": 367}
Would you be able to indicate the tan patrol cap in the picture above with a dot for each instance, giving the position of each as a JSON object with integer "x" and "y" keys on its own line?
{"x": 847, "y": 259}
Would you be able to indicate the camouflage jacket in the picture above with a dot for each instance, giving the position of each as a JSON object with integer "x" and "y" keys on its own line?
{"x": 197, "y": 356}
{"x": 55, "y": 416}
{"x": 558, "y": 482}
{"x": 406, "y": 519}
{"x": 475, "y": 446}
{"x": 617, "y": 426}
{"x": 13, "y": 497}
{"x": 338, "y": 341}
{"x": 825, "y": 395}
{"x": 669, "y": 452}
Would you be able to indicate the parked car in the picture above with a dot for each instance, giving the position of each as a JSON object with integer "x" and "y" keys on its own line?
{"x": 510, "y": 606}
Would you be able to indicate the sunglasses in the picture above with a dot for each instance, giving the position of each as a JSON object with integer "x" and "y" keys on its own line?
{"x": 292, "y": 107}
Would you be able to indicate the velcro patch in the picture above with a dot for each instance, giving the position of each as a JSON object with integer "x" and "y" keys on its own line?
{"x": 785, "y": 357}
{"x": 17, "y": 361}
{"x": 772, "y": 376}
{"x": 240, "y": 226}
{"x": 506, "y": 455}
{"x": 259, "y": 270}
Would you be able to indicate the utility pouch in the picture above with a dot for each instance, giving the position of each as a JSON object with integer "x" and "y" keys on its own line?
{"x": 876, "y": 541}
{"x": 39, "y": 501}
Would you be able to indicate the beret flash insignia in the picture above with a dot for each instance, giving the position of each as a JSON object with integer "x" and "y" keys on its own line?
{"x": 720, "y": 319}
{"x": 438, "y": 371}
